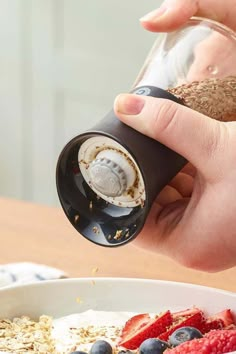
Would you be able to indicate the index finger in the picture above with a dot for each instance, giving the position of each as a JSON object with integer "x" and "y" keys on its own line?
{"x": 174, "y": 13}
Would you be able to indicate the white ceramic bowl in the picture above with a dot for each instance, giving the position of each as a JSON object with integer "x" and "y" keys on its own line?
{"x": 58, "y": 298}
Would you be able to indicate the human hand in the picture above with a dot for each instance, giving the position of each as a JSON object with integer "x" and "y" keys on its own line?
{"x": 193, "y": 219}
{"x": 174, "y": 13}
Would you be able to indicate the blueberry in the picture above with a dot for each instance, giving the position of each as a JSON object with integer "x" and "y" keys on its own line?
{"x": 101, "y": 347}
{"x": 153, "y": 346}
{"x": 184, "y": 334}
{"x": 125, "y": 352}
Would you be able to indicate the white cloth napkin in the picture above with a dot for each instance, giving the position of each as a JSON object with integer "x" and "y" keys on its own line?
{"x": 26, "y": 272}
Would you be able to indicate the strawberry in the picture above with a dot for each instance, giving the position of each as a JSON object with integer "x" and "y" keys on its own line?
{"x": 135, "y": 323}
{"x": 223, "y": 319}
{"x": 211, "y": 324}
{"x": 192, "y": 317}
{"x": 185, "y": 313}
{"x": 226, "y": 316}
{"x": 141, "y": 327}
{"x": 214, "y": 342}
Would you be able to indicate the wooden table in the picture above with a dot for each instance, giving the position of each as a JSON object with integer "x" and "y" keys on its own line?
{"x": 42, "y": 234}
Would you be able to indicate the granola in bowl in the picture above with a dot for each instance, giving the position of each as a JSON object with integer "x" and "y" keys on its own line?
{"x": 23, "y": 335}
{"x": 120, "y": 332}
{"x": 60, "y": 336}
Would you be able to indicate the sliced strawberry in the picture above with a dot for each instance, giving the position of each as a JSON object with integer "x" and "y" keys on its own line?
{"x": 223, "y": 319}
{"x": 226, "y": 316}
{"x": 192, "y": 317}
{"x": 135, "y": 323}
{"x": 185, "y": 313}
{"x": 211, "y": 324}
{"x": 136, "y": 330}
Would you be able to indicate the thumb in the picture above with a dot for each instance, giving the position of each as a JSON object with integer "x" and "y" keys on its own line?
{"x": 198, "y": 138}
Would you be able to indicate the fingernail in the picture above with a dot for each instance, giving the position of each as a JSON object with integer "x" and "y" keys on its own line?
{"x": 129, "y": 104}
{"x": 153, "y": 15}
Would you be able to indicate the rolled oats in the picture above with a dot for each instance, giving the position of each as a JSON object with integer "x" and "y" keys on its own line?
{"x": 23, "y": 335}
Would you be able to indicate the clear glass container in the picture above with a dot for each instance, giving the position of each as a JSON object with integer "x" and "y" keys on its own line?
{"x": 200, "y": 50}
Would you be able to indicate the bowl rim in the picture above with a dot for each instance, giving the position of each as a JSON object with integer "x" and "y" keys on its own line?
{"x": 142, "y": 281}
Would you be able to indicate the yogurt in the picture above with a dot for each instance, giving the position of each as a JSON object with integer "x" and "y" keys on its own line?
{"x": 79, "y": 331}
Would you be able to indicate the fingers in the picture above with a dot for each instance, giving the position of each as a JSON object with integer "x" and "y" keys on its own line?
{"x": 168, "y": 195}
{"x": 201, "y": 140}
{"x": 183, "y": 183}
{"x": 189, "y": 170}
{"x": 171, "y": 15}
{"x": 174, "y": 13}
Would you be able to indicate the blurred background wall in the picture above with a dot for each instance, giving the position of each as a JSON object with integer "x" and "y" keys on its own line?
{"x": 62, "y": 62}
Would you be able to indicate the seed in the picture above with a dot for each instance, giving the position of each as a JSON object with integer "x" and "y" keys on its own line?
{"x": 118, "y": 235}
{"x": 96, "y": 230}
{"x": 215, "y": 98}
{"x": 78, "y": 300}
{"x": 94, "y": 270}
